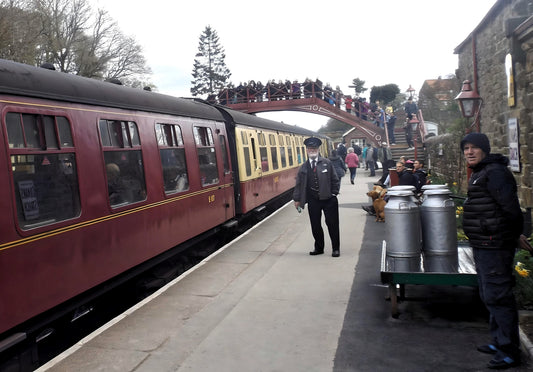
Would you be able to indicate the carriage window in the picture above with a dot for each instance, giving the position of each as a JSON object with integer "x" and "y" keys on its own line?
{"x": 117, "y": 133}
{"x": 298, "y": 155}
{"x": 207, "y": 159}
{"x": 224, "y": 150}
{"x": 50, "y": 132}
{"x": 46, "y": 188}
{"x": 124, "y": 164}
{"x": 272, "y": 140}
{"x": 45, "y": 179}
{"x": 283, "y": 157}
{"x": 168, "y": 135}
{"x": 261, "y": 139}
{"x": 264, "y": 158}
{"x": 173, "y": 162}
{"x": 274, "y": 155}
{"x": 289, "y": 149}
{"x": 14, "y": 130}
{"x": 31, "y": 130}
{"x": 244, "y": 138}
{"x": 280, "y": 139}
{"x": 203, "y": 136}
{"x": 247, "y": 164}
{"x": 65, "y": 136}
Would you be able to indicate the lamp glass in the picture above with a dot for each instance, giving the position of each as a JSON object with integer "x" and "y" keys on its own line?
{"x": 468, "y": 107}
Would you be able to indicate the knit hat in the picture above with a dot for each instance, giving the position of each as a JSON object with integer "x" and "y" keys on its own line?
{"x": 477, "y": 139}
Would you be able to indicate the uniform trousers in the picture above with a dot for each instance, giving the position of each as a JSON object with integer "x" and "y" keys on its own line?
{"x": 331, "y": 212}
{"x": 495, "y": 277}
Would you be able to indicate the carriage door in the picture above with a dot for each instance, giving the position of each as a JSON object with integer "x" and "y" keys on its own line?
{"x": 227, "y": 176}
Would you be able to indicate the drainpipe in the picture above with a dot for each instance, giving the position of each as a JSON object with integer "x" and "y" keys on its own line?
{"x": 476, "y": 88}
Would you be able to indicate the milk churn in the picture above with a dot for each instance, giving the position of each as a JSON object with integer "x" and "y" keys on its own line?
{"x": 431, "y": 187}
{"x": 402, "y": 225}
{"x": 439, "y": 231}
{"x": 409, "y": 188}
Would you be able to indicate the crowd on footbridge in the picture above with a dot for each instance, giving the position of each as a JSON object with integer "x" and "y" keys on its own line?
{"x": 273, "y": 91}
{"x": 279, "y": 91}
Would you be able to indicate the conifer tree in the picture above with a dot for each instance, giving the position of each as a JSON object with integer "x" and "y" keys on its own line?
{"x": 359, "y": 86}
{"x": 210, "y": 72}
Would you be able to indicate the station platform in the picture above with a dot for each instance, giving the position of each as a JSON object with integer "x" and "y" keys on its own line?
{"x": 262, "y": 303}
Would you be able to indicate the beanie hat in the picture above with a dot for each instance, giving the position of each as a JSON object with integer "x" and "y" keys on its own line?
{"x": 477, "y": 139}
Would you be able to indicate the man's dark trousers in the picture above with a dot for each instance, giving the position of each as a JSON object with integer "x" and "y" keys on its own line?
{"x": 494, "y": 268}
{"x": 331, "y": 212}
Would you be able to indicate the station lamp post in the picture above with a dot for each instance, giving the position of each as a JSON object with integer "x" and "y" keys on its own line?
{"x": 411, "y": 91}
{"x": 470, "y": 103}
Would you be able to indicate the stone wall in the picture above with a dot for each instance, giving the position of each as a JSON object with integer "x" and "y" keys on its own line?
{"x": 504, "y": 30}
{"x": 444, "y": 160}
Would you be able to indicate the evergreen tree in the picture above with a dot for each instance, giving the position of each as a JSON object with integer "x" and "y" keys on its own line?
{"x": 359, "y": 86}
{"x": 385, "y": 93}
{"x": 210, "y": 72}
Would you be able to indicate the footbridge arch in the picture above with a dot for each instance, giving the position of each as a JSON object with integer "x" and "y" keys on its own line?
{"x": 314, "y": 105}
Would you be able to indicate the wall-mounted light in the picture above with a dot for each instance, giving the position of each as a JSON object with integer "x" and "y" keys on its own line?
{"x": 469, "y": 100}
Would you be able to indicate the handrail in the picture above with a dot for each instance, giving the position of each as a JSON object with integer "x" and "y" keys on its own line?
{"x": 251, "y": 93}
{"x": 277, "y": 92}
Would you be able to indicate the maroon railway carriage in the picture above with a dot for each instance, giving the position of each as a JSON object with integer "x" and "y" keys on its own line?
{"x": 97, "y": 178}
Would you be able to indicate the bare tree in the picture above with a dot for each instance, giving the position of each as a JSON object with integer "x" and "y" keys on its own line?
{"x": 127, "y": 59}
{"x": 68, "y": 34}
{"x": 63, "y": 25}
{"x": 19, "y": 32}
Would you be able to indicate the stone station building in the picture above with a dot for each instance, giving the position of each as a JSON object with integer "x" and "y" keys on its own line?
{"x": 497, "y": 57}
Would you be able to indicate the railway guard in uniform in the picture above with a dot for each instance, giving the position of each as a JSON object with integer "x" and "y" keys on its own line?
{"x": 317, "y": 184}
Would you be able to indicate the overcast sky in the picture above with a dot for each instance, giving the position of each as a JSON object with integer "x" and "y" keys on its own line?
{"x": 380, "y": 42}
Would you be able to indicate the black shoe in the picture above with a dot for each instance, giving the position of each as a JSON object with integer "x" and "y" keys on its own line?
{"x": 316, "y": 252}
{"x": 503, "y": 360}
{"x": 369, "y": 209}
{"x": 351, "y": 181}
{"x": 336, "y": 253}
{"x": 487, "y": 349}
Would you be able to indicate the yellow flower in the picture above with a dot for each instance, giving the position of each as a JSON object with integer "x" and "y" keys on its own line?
{"x": 520, "y": 270}
{"x": 523, "y": 273}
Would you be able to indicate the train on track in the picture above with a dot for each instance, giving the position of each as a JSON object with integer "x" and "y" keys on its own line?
{"x": 97, "y": 178}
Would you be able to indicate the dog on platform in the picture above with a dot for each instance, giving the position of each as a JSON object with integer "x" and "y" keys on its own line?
{"x": 377, "y": 194}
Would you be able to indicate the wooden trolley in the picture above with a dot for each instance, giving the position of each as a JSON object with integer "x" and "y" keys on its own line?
{"x": 465, "y": 275}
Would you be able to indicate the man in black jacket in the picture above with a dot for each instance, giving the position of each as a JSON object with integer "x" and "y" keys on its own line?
{"x": 420, "y": 174}
{"x": 317, "y": 185}
{"x": 493, "y": 222}
{"x": 405, "y": 176}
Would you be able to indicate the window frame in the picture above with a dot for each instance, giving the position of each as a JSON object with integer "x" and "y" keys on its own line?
{"x": 63, "y": 151}
{"x": 204, "y": 141}
{"x": 123, "y": 141}
{"x": 174, "y": 133}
